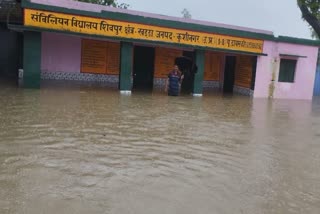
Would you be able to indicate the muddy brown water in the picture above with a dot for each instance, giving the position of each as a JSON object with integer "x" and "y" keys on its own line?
{"x": 83, "y": 149}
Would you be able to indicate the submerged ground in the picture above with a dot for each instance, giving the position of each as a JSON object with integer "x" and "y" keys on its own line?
{"x": 83, "y": 149}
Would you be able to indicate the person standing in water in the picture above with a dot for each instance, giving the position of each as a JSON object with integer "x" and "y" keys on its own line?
{"x": 173, "y": 83}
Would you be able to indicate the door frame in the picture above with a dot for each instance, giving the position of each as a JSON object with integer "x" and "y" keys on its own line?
{"x": 150, "y": 84}
{"x": 229, "y": 76}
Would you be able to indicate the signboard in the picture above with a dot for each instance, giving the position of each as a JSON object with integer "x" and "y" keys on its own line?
{"x": 122, "y": 29}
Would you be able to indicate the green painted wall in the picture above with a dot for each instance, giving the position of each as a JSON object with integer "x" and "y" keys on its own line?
{"x": 198, "y": 79}
{"x": 126, "y": 64}
{"x": 31, "y": 59}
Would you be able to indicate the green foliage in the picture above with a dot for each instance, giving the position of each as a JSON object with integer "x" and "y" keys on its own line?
{"x": 312, "y": 5}
{"x": 112, "y": 3}
{"x": 310, "y": 10}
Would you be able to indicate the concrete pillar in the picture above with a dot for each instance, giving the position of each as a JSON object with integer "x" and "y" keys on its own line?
{"x": 198, "y": 78}
{"x": 126, "y": 66}
{"x": 31, "y": 59}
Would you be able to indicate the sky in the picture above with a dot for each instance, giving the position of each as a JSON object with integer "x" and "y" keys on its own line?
{"x": 282, "y": 17}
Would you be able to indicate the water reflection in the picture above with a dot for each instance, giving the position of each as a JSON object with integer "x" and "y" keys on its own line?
{"x": 84, "y": 149}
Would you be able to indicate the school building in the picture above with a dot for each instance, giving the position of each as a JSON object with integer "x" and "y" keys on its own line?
{"x": 70, "y": 40}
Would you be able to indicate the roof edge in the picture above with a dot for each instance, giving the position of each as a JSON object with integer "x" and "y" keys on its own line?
{"x": 300, "y": 41}
{"x": 165, "y": 21}
{"x": 118, "y": 14}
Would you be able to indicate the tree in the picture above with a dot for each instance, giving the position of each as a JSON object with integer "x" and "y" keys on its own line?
{"x": 310, "y": 10}
{"x": 186, "y": 14}
{"x": 112, "y": 3}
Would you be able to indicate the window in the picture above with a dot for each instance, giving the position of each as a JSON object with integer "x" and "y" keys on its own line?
{"x": 287, "y": 70}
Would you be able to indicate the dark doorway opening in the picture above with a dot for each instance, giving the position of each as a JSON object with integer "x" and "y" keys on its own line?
{"x": 229, "y": 74}
{"x": 11, "y": 55}
{"x": 188, "y": 68}
{"x": 143, "y": 67}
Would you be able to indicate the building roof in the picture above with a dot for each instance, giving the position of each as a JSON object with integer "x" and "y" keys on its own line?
{"x": 100, "y": 11}
{"x": 71, "y": 4}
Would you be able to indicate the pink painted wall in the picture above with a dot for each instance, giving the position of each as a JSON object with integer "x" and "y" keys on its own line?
{"x": 264, "y": 71}
{"x": 60, "y": 53}
{"x": 302, "y": 87}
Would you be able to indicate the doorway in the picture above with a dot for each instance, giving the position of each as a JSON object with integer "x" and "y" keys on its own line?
{"x": 229, "y": 74}
{"x": 143, "y": 67}
{"x": 187, "y": 67}
{"x": 11, "y": 55}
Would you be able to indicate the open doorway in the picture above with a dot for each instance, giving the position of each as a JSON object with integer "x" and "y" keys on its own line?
{"x": 143, "y": 67}
{"x": 11, "y": 56}
{"x": 229, "y": 74}
{"x": 188, "y": 69}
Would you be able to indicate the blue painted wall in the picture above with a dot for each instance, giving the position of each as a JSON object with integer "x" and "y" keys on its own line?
{"x": 316, "y": 91}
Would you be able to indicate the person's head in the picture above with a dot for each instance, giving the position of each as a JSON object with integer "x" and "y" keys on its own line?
{"x": 176, "y": 68}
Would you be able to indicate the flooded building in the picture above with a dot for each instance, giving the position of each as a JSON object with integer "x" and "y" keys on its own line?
{"x": 70, "y": 40}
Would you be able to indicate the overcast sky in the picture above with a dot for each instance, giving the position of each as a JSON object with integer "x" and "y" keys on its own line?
{"x": 283, "y": 19}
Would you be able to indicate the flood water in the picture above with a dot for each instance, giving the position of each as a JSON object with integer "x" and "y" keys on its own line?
{"x": 81, "y": 149}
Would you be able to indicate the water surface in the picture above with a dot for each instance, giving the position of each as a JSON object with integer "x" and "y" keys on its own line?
{"x": 82, "y": 149}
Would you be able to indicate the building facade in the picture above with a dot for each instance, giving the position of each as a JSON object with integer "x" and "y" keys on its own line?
{"x": 69, "y": 40}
